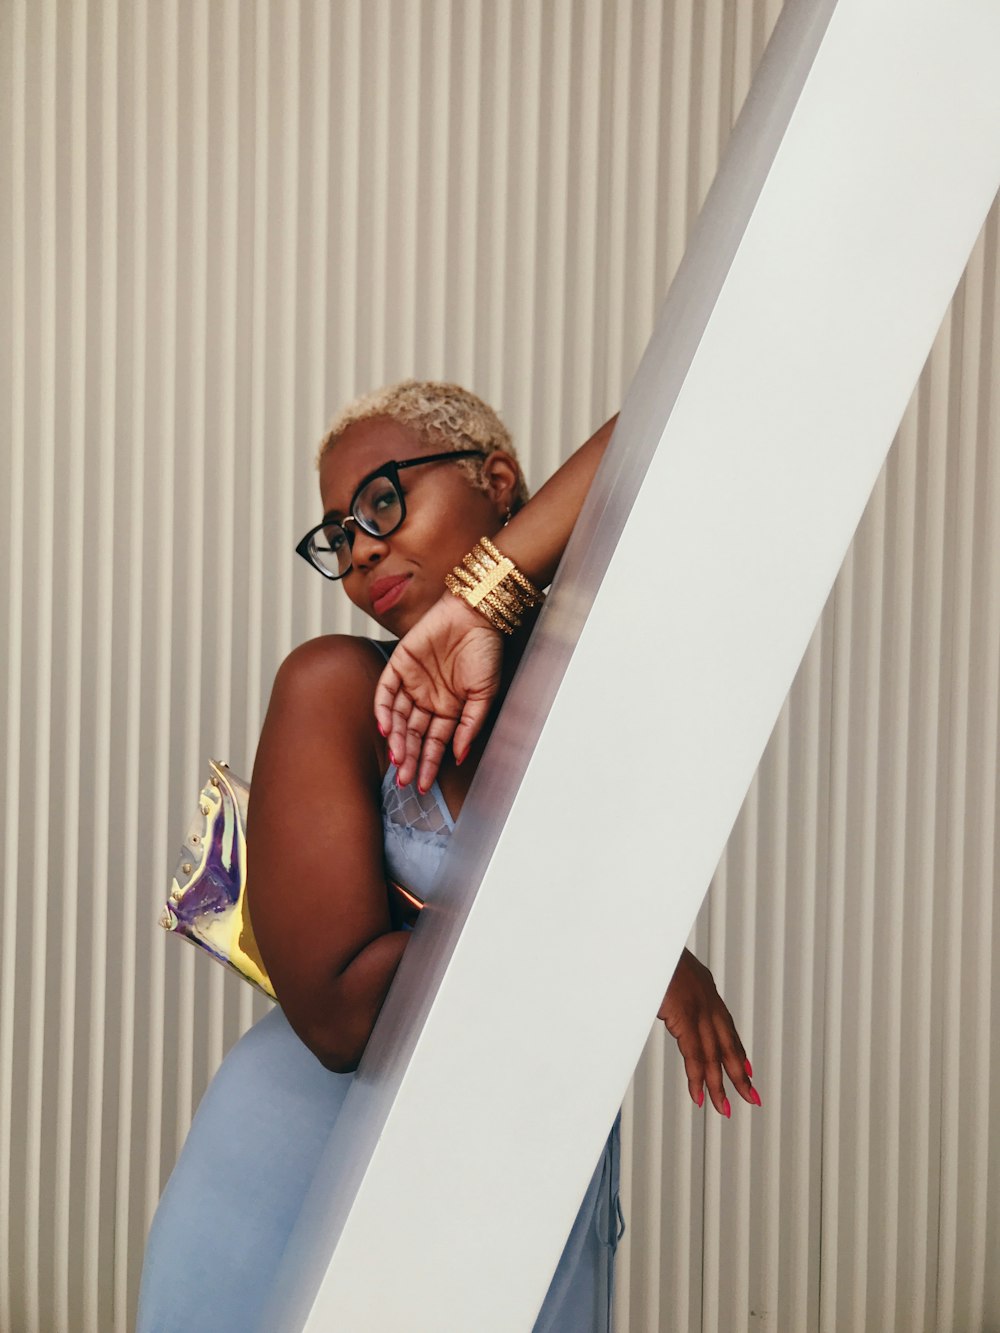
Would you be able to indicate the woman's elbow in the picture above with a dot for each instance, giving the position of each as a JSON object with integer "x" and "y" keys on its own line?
{"x": 336, "y": 1049}
{"x": 333, "y": 1015}
{"x": 336, "y": 1059}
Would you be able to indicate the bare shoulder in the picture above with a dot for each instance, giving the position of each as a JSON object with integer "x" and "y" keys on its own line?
{"x": 342, "y": 667}
{"x": 346, "y": 658}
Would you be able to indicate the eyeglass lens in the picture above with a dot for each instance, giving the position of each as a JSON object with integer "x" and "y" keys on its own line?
{"x": 377, "y": 509}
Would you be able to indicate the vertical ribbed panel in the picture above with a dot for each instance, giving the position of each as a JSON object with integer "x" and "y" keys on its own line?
{"x": 222, "y": 220}
{"x": 856, "y": 936}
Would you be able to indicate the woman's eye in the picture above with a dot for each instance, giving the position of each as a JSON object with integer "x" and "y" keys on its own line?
{"x": 384, "y": 499}
{"x": 335, "y": 538}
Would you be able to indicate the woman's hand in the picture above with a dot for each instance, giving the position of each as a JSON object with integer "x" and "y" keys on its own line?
{"x": 438, "y": 687}
{"x": 706, "y": 1035}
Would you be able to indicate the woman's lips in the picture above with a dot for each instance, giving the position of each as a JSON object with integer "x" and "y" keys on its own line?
{"x": 386, "y": 592}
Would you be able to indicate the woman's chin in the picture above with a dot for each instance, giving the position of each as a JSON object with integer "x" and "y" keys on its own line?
{"x": 399, "y": 620}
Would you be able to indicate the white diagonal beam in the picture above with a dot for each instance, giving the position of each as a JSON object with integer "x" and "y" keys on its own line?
{"x": 853, "y": 189}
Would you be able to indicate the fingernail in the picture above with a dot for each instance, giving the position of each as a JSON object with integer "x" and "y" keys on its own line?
{"x": 381, "y": 729}
{"x": 755, "y": 1096}
{"x": 421, "y": 790}
{"x": 749, "y": 1068}
{"x": 727, "y": 1110}
{"x": 701, "y": 1097}
{"x": 392, "y": 757}
{"x": 399, "y": 782}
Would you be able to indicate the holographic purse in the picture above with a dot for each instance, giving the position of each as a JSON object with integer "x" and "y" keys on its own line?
{"x": 207, "y": 903}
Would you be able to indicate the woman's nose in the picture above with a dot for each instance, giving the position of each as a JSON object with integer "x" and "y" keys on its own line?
{"x": 367, "y": 550}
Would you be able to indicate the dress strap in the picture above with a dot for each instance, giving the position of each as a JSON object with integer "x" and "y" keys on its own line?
{"x": 385, "y": 648}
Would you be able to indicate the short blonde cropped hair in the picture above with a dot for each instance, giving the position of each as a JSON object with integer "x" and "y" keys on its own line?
{"x": 446, "y": 415}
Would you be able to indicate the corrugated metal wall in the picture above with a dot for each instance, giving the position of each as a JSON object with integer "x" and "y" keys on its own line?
{"x": 221, "y": 221}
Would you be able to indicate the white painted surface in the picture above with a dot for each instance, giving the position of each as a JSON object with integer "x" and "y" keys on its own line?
{"x": 771, "y": 407}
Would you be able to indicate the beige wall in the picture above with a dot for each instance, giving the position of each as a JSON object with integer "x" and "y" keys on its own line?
{"x": 225, "y": 219}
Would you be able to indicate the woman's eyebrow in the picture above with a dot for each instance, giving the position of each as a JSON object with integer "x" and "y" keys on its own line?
{"x": 338, "y": 514}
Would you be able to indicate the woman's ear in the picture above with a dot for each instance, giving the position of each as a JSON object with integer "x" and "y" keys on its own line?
{"x": 501, "y": 474}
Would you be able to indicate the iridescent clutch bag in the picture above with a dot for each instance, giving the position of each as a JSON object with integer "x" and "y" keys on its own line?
{"x": 207, "y": 903}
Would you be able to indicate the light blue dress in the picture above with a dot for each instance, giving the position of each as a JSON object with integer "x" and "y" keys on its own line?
{"x": 225, "y": 1216}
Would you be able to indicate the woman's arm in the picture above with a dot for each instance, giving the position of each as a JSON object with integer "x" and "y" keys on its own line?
{"x": 536, "y": 537}
{"x": 316, "y": 891}
{"x": 445, "y": 673}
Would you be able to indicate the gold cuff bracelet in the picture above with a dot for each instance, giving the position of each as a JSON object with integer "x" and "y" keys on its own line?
{"x": 491, "y": 583}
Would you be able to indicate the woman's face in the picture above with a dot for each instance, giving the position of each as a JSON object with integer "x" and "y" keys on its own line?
{"x": 395, "y": 579}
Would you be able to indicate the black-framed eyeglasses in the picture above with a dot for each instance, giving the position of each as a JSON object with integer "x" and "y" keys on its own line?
{"x": 377, "y": 507}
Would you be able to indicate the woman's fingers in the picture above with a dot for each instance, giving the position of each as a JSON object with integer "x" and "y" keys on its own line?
{"x": 711, "y": 1056}
{"x": 438, "y": 734}
{"x": 695, "y": 1039}
{"x": 474, "y": 714}
{"x": 723, "y": 1054}
{"x": 417, "y": 739}
{"x": 713, "y": 1068}
{"x": 385, "y": 697}
{"x": 693, "y": 1053}
{"x": 417, "y": 722}
{"x": 402, "y": 707}
{"x": 734, "y": 1057}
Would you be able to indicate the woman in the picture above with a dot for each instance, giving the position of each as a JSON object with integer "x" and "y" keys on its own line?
{"x": 411, "y": 478}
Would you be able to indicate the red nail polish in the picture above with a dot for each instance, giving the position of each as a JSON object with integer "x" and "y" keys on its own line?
{"x": 421, "y": 790}
{"x": 727, "y": 1110}
{"x": 392, "y": 757}
{"x": 398, "y": 781}
{"x": 381, "y": 729}
{"x": 755, "y": 1096}
{"x": 749, "y": 1068}
{"x": 701, "y": 1097}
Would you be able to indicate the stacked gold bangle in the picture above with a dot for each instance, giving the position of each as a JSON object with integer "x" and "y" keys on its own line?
{"x": 491, "y": 583}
